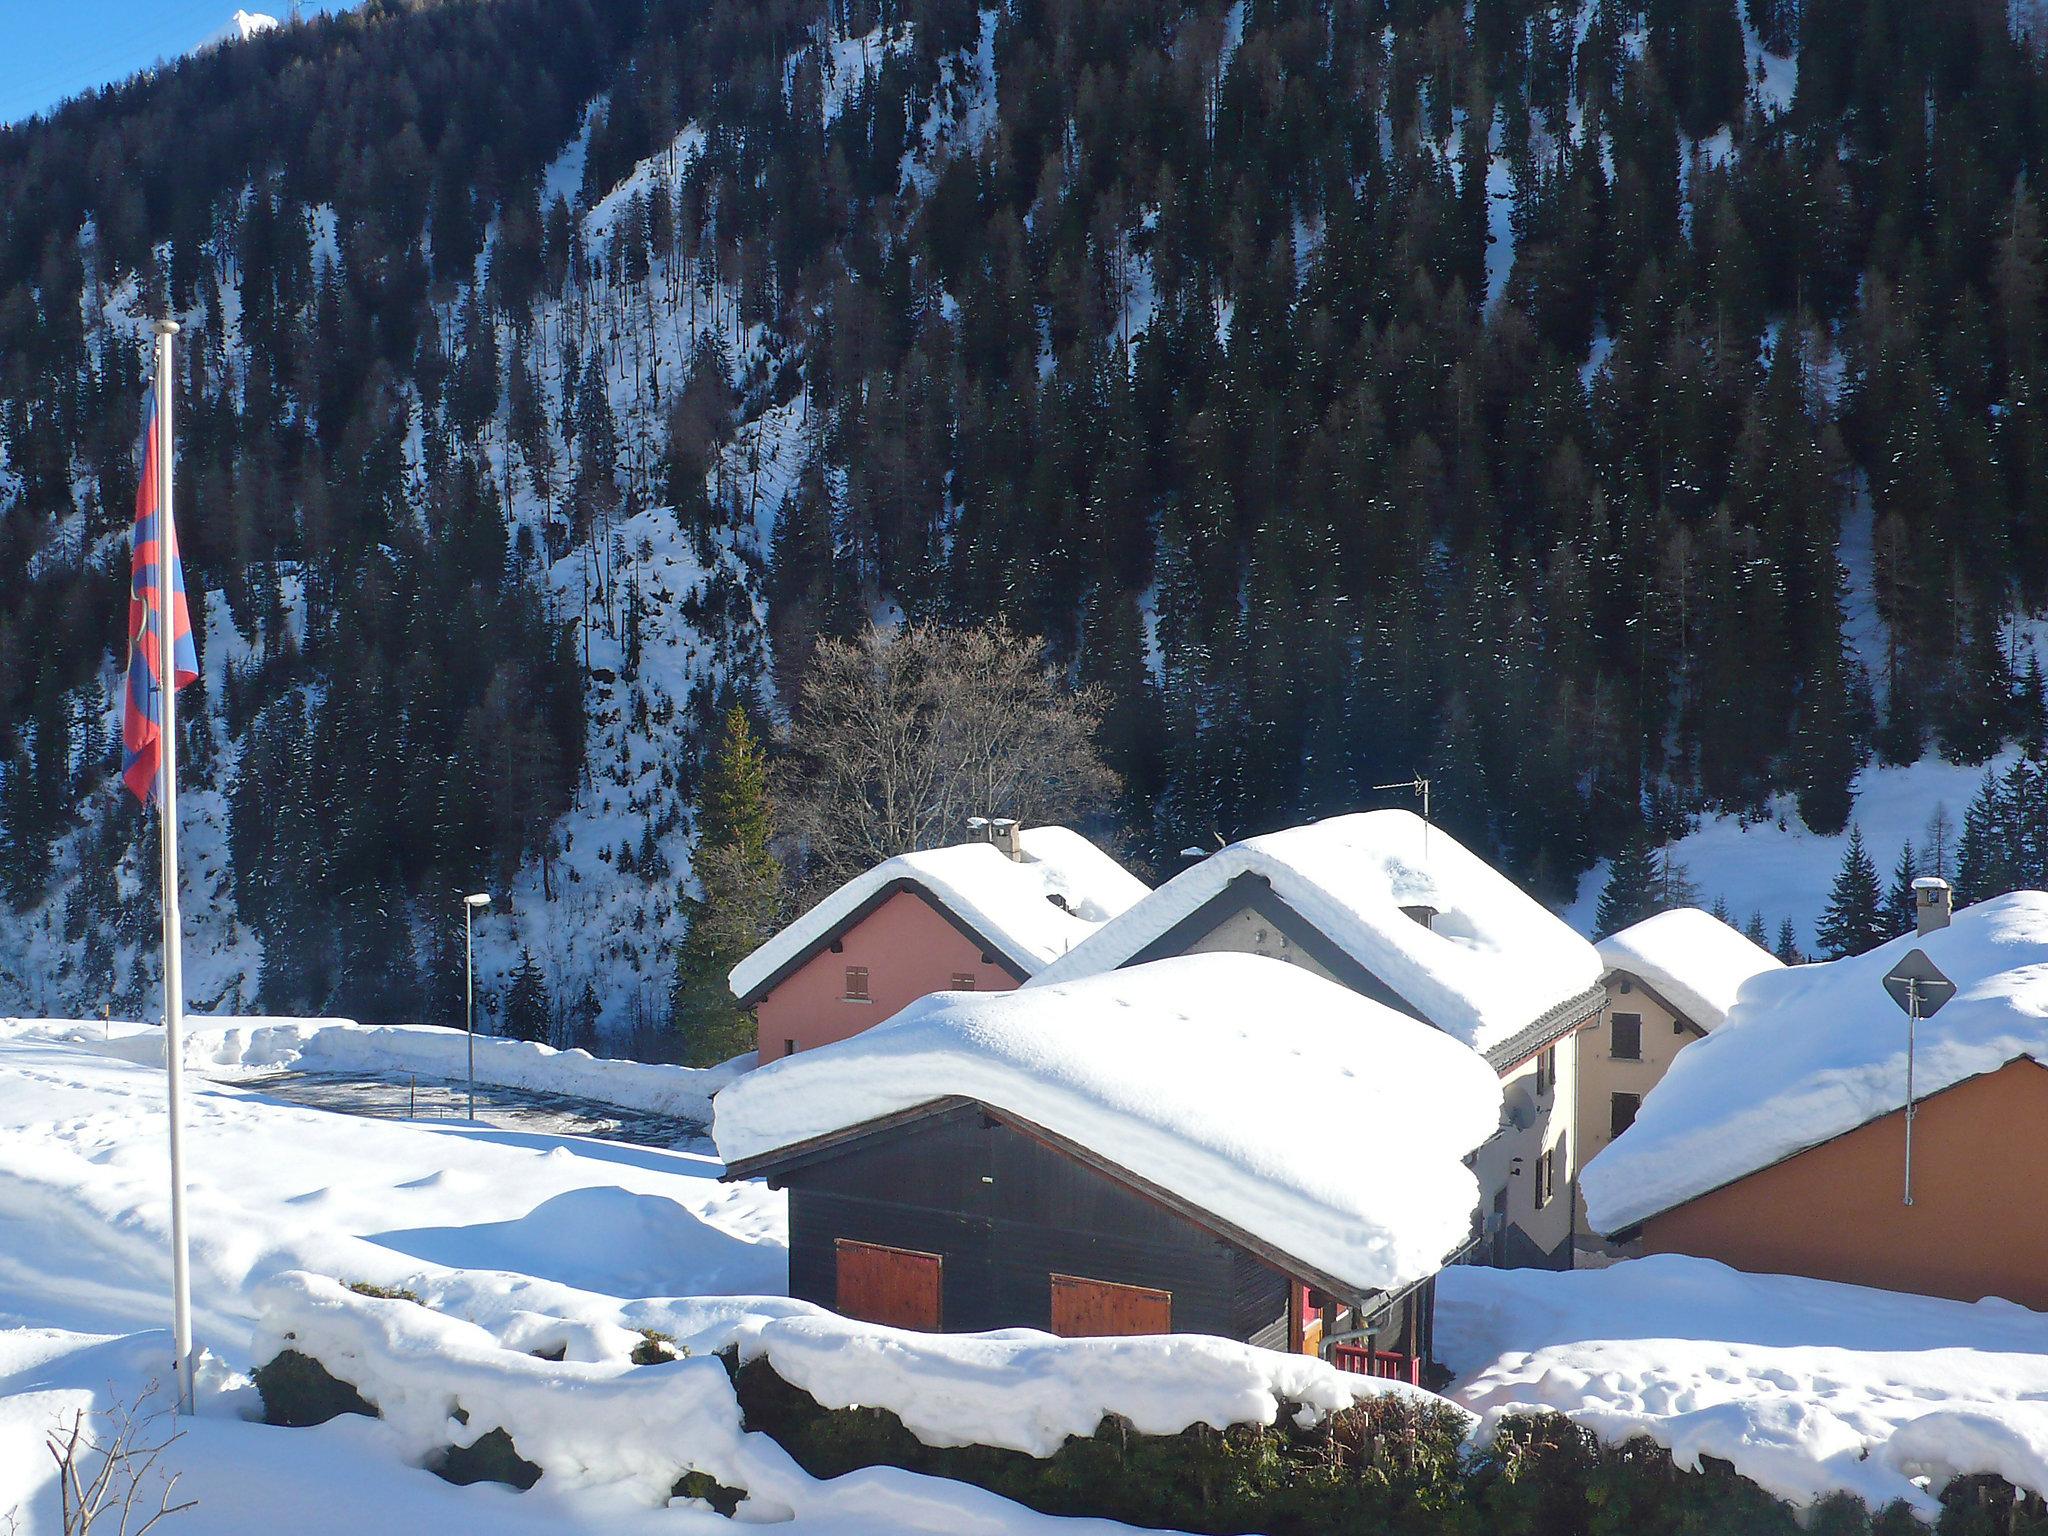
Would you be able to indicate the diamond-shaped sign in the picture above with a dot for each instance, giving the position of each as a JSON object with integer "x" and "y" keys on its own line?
{"x": 1933, "y": 987}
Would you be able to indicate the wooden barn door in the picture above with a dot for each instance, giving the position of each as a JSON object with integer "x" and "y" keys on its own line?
{"x": 1096, "y": 1308}
{"x": 898, "y": 1287}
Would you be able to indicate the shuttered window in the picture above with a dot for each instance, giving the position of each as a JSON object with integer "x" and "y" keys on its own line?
{"x": 963, "y": 981}
{"x": 1084, "y": 1309}
{"x": 857, "y": 984}
{"x": 897, "y": 1287}
{"x": 1627, "y": 1042}
{"x": 1621, "y": 1113}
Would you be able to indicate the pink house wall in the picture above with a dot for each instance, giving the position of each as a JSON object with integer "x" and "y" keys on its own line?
{"x": 909, "y": 949}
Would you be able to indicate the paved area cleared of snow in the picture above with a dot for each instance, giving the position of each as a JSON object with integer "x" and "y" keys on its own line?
{"x": 390, "y": 1097}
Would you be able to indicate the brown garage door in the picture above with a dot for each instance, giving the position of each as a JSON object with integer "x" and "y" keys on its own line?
{"x": 1096, "y": 1308}
{"x": 895, "y": 1286}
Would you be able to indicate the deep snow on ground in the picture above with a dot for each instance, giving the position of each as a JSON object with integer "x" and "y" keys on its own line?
{"x": 595, "y": 1241}
{"x": 85, "y": 1270}
{"x": 1805, "y": 1385}
{"x": 522, "y": 1245}
{"x": 1779, "y": 869}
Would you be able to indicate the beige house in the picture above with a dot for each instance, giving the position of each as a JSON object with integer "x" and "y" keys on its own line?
{"x": 1669, "y": 980}
{"x": 1402, "y": 913}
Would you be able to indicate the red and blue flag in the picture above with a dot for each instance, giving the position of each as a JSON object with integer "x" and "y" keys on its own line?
{"x": 155, "y": 538}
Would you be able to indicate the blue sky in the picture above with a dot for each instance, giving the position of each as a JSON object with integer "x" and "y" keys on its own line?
{"x": 51, "y": 49}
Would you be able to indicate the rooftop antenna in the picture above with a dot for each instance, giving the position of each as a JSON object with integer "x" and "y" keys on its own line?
{"x": 1419, "y": 786}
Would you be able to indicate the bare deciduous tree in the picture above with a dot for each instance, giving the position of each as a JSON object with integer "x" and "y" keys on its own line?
{"x": 902, "y": 736}
{"x": 110, "y": 1477}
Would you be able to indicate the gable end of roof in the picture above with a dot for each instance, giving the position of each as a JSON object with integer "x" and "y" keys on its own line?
{"x": 1019, "y": 969}
{"x": 1252, "y": 891}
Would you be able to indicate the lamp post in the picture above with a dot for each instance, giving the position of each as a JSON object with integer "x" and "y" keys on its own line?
{"x": 471, "y": 905}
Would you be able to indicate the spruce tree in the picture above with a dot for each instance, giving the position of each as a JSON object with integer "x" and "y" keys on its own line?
{"x": 1900, "y": 912}
{"x": 739, "y": 902}
{"x": 1630, "y": 893}
{"x": 526, "y": 1004}
{"x": 1853, "y": 921}
{"x": 1787, "y": 948}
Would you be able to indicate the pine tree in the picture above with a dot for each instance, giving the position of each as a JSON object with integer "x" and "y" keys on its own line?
{"x": 1755, "y": 931}
{"x": 1983, "y": 856}
{"x": 582, "y": 1022}
{"x": 1853, "y": 921}
{"x": 1630, "y": 893}
{"x": 526, "y": 1004}
{"x": 1787, "y": 948}
{"x": 740, "y": 900}
{"x": 1899, "y": 911}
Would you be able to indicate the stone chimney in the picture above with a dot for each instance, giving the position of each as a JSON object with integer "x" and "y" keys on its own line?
{"x": 1008, "y": 838}
{"x": 1933, "y": 903}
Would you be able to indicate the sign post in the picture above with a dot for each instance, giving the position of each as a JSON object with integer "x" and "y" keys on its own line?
{"x": 1916, "y": 985}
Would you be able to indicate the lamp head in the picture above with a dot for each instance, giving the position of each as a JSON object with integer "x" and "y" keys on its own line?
{"x": 480, "y": 899}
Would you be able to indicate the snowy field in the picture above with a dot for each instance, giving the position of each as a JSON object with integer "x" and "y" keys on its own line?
{"x": 1778, "y": 869}
{"x": 540, "y": 1258}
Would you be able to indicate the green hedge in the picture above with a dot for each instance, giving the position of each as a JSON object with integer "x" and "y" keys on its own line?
{"x": 1391, "y": 1466}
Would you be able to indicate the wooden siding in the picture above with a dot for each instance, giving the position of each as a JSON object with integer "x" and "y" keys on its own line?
{"x": 896, "y": 1287}
{"x": 1102, "y": 1309}
{"x": 1007, "y": 1213}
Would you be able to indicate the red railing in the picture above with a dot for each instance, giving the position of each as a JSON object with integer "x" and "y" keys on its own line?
{"x": 1387, "y": 1364}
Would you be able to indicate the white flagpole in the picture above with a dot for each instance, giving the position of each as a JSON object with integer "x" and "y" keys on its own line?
{"x": 167, "y": 825}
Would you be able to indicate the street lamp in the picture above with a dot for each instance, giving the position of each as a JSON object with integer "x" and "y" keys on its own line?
{"x": 471, "y": 905}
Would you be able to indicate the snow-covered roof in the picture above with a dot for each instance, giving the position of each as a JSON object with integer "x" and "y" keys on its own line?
{"x": 1490, "y": 963}
{"x": 1691, "y": 959}
{"x": 1813, "y": 1051}
{"x": 1008, "y": 902}
{"x": 1322, "y": 1124}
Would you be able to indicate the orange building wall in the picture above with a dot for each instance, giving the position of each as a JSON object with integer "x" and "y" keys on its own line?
{"x": 1978, "y": 1225}
{"x": 909, "y": 948}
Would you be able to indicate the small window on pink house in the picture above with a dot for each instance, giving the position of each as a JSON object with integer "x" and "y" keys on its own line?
{"x": 963, "y": 981}
{"x": 857, "y": 984}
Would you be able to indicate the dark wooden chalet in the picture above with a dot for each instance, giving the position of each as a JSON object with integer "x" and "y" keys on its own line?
{"x": 958, "y": 1216}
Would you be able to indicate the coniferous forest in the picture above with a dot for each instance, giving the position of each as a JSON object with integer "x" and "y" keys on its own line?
{"x": 1516, "y": 393}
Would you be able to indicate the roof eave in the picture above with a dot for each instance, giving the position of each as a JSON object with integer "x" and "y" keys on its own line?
{"x": 782, "y": 1160}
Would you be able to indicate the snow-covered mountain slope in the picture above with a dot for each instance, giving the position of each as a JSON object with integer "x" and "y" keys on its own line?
{"x": 667, "y": 615}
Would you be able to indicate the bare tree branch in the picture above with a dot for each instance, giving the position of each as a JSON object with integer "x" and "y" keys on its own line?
{"x": 127, "y": 1484}
{"x": 902, "y": 736}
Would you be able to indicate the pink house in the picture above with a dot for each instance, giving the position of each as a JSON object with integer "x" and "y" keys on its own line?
{"x": 983, "y": 916}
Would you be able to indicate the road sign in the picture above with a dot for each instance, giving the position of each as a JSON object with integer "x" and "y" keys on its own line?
{"x": 1917, "y": 973}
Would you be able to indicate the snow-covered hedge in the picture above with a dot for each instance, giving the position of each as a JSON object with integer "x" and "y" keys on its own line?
{"x": 1026, "y": 1391}
{"x": 815, "y": 1415}
{"x": 342, "y": 1045}
{"x": 440, "y": 1383}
